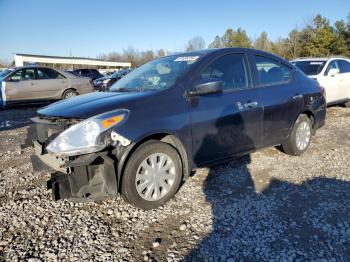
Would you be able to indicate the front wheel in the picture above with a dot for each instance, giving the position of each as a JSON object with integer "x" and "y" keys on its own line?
{"x": 300, "y": 137}
{"x": 152, "y": 175}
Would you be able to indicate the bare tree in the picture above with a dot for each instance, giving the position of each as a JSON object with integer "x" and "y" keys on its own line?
{"x": 196, "y": 43}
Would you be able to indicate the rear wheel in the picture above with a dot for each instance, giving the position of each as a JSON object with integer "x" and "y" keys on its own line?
{"x": 69, "y": 94}
{"x": 300, "y": 137}
{"x": 152, "y": 175}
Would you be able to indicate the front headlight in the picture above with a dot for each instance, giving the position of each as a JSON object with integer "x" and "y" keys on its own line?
{"x": 87, "y": 136}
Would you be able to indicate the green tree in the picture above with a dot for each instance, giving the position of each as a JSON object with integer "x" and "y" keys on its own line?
{"x": 216, "y": 43}
{"x": 339, "y": 46}
{"x": 237, "y": 38}
{"x": 233, "y": 38}
{"x": 318, "y": 38}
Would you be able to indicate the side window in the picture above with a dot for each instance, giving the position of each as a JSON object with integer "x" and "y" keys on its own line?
{"x": 271, "y": 71}
{"x": 46, "y": 73}
{"x": 17, "y": 76}
{"x": 231, "y": 69}
{"x": 332, "y": 65}
{"x": 344, "y": 66}
{"x": 29, "y": 74}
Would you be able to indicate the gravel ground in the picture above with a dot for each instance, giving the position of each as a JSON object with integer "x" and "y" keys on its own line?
{"x": 265, "y": 206}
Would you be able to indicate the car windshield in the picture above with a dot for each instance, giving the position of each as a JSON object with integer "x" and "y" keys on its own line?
{"x": 119, "y": 73}
{"x": 156, "y": 75}
{"x": 310, "y": 67}
{"x": 5, "y": 72}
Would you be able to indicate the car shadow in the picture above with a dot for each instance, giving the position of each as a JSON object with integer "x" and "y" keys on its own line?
{"x": 259, "y": 219}
{"x": 17, "y": 116}
{"x": 308, "y": 221}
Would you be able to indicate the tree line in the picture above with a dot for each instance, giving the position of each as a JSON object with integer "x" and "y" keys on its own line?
{"x": 317, "y": 38}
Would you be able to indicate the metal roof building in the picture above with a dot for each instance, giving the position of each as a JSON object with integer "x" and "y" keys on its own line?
{"x": 62, "y": 62}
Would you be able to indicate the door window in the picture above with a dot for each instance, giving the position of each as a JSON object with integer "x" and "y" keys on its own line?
{"x": 344, "y": 66}
{"x": 332, "y": 65}
{"x": 47, "y": 73}
{"x": 272, "y": 72}
{"x": 29, "y": 74}
{"x": 17, "y": 76}
{"x": 231, "y": 69}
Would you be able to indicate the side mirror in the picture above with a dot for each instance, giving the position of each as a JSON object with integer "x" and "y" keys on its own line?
{"x": 9, "y": 79}
{"x": 333, "y": 72}
{"x": 205, "y": 87}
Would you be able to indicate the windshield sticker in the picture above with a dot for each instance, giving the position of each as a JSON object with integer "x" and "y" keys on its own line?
{"x": 186, "y": 59}
{"x": 316, "y": 63}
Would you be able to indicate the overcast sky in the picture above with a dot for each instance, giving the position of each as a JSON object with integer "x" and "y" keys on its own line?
{"x": 88, "y": 28}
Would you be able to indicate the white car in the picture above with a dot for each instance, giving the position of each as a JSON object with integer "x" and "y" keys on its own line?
{"x": 333, "y": 73}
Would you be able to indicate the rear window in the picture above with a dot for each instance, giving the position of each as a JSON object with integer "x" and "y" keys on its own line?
{"x": 310, "y": 67}
{"x": 272, "y": 72}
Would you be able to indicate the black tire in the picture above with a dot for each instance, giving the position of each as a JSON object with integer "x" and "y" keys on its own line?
{"x": 69, "y": 94}
{"x": 290, "y": 145}
{"x": 128, "y": 186}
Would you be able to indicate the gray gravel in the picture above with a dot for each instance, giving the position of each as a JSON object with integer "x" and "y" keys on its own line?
{"x": 266, "y": 206}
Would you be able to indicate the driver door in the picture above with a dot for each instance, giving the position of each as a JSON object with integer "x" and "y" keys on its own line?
{"x": 332, "y": 83}
{"x": 227, "y": 123}
{"x": 21, "y": 85}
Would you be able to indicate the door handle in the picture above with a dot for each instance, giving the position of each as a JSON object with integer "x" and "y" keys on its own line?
{"x": 296, "y": 97}
{"x": 253, "y": 104}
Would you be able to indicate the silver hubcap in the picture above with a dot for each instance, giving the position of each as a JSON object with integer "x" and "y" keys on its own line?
{"x": 155, "y": 176}
{"x": 303, "y": 135}
{"x": 71, "y": 94}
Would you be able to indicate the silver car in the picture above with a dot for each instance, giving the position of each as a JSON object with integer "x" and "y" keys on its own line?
{"x": 35, "y": 84}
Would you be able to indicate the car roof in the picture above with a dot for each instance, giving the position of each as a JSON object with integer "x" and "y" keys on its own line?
{"x": 33, "y": 66}
{"x": 321, "y": 59}
{"x": 227, "y": 49}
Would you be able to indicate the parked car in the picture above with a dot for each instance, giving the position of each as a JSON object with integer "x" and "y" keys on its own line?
{"x": 170, "y": 116}
{"x": 109, "y": 73}
{"x": 91, "y": 73}
{"x": 104, "y": 83}
{"x": 37, "y": 84}
{"x": 332, "y": 73}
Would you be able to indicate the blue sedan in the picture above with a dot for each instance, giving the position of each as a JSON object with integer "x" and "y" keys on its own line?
{"x": 170, "y": 116}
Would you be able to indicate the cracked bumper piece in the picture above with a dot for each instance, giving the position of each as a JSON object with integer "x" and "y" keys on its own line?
{"x": 85, "y": 183}
{"x": 85, "y": 178}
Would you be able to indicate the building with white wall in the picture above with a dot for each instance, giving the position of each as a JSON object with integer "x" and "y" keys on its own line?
{"x": 62, "y": 62}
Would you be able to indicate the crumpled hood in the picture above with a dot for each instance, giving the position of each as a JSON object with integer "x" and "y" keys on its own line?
{"x": 85, "y": 106}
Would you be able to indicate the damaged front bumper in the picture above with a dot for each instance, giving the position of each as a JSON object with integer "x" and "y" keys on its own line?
{"x": 81, "y": 178}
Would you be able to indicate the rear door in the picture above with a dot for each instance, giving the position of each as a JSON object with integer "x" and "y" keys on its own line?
{"x": 230, "y": 122}
{"x": 51, "y": 83}
{"x": 281, "y": 97}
